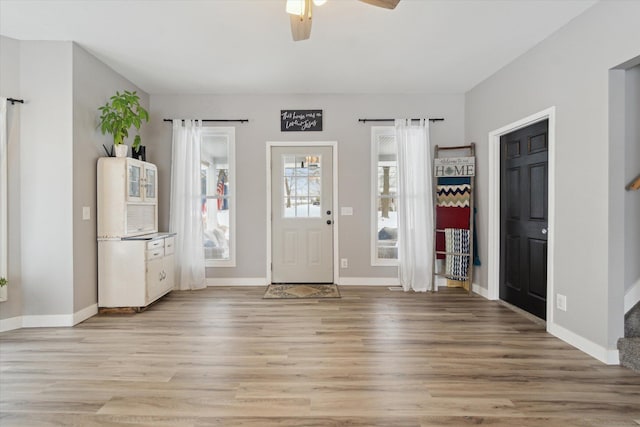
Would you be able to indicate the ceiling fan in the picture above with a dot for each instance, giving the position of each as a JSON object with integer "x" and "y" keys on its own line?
{"x": 300, "y": 14}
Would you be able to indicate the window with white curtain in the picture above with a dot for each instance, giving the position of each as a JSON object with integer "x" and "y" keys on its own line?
{"x": 384, "y": 221}
{"x": 218, "y": 188}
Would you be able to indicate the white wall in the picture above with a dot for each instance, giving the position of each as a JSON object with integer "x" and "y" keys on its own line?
{"x": 46, "y": 173}
{"x": 632, "y": 170}
{"x": 341, "y": 114}
{"x": 568, "y": 70}
{"x": 10, "y": 88}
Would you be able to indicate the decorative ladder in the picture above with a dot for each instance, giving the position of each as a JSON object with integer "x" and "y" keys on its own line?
{"x": 468, "y": 277}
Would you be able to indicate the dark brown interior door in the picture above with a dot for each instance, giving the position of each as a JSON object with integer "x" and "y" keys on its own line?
{"x": 523, "y": 218}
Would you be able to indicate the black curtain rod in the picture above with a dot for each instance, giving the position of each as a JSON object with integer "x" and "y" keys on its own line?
{"x": 13, "y": 101}
{"x": 391, "y": 120}
{"x": 217, "y": 120}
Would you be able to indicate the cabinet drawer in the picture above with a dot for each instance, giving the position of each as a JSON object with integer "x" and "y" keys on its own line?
{"x": 153, "y": 244}
{"x": 155, "y": 253}
{"x": 169, "y": 245}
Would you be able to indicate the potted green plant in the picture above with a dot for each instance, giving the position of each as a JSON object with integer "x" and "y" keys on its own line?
{"x": 3, "y": 282}
{"x": 118, "y": 115}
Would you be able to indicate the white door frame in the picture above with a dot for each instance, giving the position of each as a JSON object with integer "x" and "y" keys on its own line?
{"x": 334, "y": 208}
{"x": 493, "y": 265}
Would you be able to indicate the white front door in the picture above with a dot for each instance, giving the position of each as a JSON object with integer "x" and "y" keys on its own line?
{"x": 302, "y": 214}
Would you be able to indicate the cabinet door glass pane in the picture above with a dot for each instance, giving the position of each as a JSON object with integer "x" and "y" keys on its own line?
{"x": 134, "y": 181}
{"x": 301, "y": 186}
{"x": 150, "y": 192}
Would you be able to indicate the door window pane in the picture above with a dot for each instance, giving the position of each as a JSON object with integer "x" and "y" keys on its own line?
{"x": 301, "y": 186}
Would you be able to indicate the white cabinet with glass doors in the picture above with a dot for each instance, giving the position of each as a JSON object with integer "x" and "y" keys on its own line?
{"x": 135, "y": 262}
{"x": 127, "y": 197}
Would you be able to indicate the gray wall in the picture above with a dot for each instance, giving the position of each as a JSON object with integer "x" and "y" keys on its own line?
{"x": 10, "y": 88}
{"x": 54, "y": 144}
{"x": 341, "y": 113}
{"x": 93, "y": 84}
{"x": 568, "y": 70}
{"x": 46, "y": 173}
{"x": 632, "y": 170}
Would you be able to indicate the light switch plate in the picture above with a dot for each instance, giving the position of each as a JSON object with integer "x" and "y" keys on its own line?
{"x": 86, "y": 213}
{"x": 561, "y": 302}
{"x": 346, "y": 210}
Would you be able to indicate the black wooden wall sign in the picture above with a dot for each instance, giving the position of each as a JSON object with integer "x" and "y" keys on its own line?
{"x": 300, "y": 120}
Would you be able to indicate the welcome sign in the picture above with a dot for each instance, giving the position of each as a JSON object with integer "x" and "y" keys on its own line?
{"x": 300, "y": 120}
{"x": 454, "y": 166}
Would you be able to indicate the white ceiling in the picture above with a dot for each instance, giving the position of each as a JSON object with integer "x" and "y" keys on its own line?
{"x": 245, "y": 46}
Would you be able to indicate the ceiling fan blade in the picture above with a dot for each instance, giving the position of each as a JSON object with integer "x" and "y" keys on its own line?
{"x": 387, "y": 4}
{"x": 300, "y": 27}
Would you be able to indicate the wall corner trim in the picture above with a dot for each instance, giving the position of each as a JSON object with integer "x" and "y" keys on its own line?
{"x": 483, "y": 292}
{"x": 10, "y": 324}
{"x": 632, "y": 297}
{"x": 605, "y": 355}
{"x": 85, "y": 313}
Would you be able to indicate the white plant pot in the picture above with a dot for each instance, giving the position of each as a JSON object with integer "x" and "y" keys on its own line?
{"x": 121, "y": 150}
{"x": 3, "y": 293}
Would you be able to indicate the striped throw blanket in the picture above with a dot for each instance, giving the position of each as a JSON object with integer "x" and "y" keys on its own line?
{"x": 457, "y": 240}
{"x": 453, "y": 196}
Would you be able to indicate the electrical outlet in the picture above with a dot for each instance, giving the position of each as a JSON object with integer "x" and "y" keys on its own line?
{"x": 561, "y": 302}
{"x": 86, "y": 213}
{"x": 344, "y": 263}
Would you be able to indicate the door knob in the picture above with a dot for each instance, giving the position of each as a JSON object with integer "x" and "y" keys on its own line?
{"x": 328, "y": 212}
{"x": 544, "y": 231}
{"x": 329, "y": 222}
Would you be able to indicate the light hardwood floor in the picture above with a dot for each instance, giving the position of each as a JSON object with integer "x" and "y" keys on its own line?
{"x": 225, "y": 357}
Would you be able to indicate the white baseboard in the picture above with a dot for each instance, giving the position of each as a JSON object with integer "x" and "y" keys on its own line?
{"x": 262, "y": 281}
{"x": 369, "y": 281}
{"x": 48, "y": 320}
{"x": 85, "y": 313}
{"x": 632, "y": 297}
{"x": 605, "y": 355}
{"x": 393, "y": 281}
{"x": 236, "y": 281}
{"x": 441, "y": 282}
{"x": 480, "y": 291}
{"x": 10, "y": 324}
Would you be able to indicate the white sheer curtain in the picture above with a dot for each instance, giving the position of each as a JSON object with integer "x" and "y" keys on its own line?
{"x": 415, "y": 206}
{"x": 3, "y": 194}
{"x": 185, "y": 217}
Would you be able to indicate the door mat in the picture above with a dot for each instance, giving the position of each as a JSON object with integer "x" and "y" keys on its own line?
{"x": 300, "y": 291}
